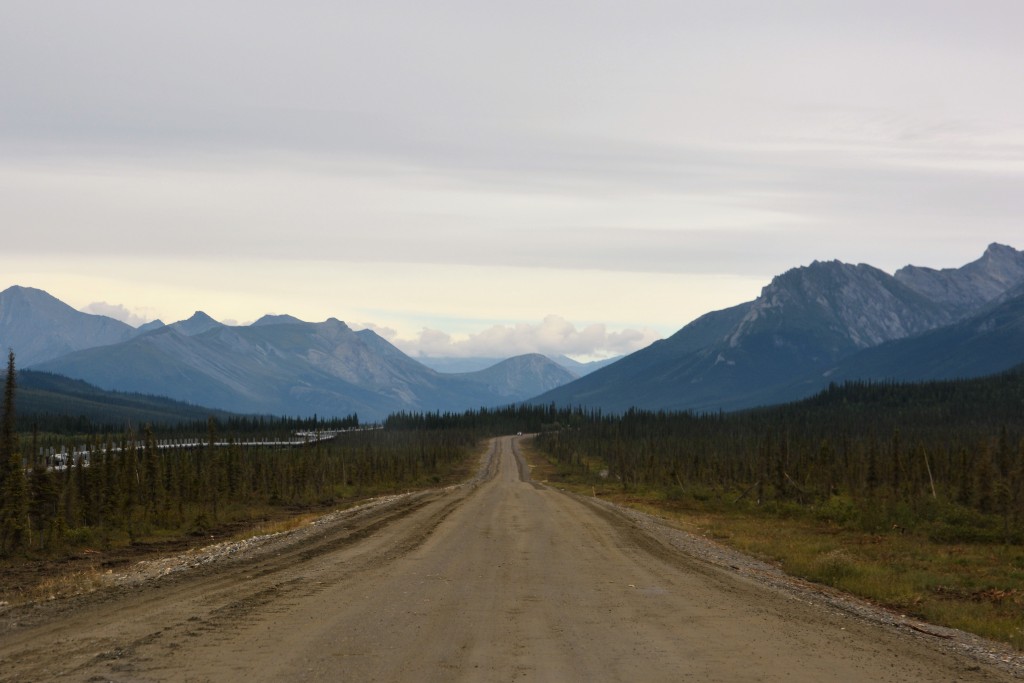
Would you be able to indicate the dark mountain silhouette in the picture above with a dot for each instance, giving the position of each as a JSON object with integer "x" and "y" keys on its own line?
{"x": 806, "y": 321}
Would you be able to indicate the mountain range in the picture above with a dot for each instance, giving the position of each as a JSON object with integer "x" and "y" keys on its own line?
{"x": 474, "y": 363}
{"x": 812, "y": 325}
{"x": 821, "y": 323}
{"x": 279, "y": 365}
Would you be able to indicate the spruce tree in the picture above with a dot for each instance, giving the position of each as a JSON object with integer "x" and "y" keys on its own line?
{"x": 43, "y": 500}
{"x": 154, "y": 482}
{"x": 985, "y": 484}
{"x": 14, "y": 489}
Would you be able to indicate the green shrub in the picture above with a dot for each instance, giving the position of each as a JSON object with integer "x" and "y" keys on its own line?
{"x": 839, "y": 510}
{"x": 832, "y": 567}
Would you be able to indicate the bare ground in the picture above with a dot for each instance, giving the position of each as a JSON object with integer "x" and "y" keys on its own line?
{"x": 499, "y": 579}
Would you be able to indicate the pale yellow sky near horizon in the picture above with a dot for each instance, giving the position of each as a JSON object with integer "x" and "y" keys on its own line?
{"x": 461, "y": 301}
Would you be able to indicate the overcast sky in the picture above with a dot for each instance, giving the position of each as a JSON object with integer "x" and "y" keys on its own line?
{"x": 485, "y": 178}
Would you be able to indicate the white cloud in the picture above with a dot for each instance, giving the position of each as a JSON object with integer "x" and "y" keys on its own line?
{"x": 388, "y": 333}
{"x": 554, "y": 335}
{"x": 117, "y": 312}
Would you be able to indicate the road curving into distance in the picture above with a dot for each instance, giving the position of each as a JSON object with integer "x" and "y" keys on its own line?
{"x": 500, "y": 579}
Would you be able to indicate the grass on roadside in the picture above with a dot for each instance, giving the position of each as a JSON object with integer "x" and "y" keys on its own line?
{"x": 63, "y": 585}
{"x": 277, "y": 526}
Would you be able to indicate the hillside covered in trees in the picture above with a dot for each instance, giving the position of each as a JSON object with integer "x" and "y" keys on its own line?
{"x": 946, "y": 454}
{"x": 60, "y": 405}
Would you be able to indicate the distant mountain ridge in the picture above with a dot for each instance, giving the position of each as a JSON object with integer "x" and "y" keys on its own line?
{"x": 965, "y": 289}
{"x": 197, "y": 324}
{"x": 521, "y": 376}
{"x": 801, "y": 327}
{"x": 41, "y": 327}
{"x": 284, "y": 366}
{"x": 474, "y": 363}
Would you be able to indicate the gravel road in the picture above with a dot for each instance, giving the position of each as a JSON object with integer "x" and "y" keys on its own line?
{"x": 499, "y": 579}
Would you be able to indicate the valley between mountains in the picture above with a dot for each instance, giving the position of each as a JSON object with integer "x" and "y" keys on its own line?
{"x": 811, "y": 326}
{"x": 500, "y": 578}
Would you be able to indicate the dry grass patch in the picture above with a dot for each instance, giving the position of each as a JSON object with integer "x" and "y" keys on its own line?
{"x": 65, "y": 585}
{"x": 277, "y": 526}
{"x": 976, "y": 588}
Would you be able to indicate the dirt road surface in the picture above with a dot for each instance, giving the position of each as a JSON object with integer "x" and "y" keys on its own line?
{"x": 500, "y": 579}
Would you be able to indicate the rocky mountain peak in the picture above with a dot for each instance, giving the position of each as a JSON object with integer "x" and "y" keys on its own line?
{"x": 272, "y": 319}
{"x": 853, "y": 304}
{"x": 150, "y": 326}
{"x": 965, "y": 290}
{"x": 17, "y": 299}
{"x": 1003, "y": 264}
{"x": 528, "y": 374}
{"x": 197, "y": 324}
{"x": 39, "y": 326}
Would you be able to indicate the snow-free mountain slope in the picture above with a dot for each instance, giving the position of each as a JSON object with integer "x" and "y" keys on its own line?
{"x": 199, "y": 322}
{"x": 304, "y": 368}
{"x": 521, "y": 376}
{"x": 456, "y": 364}
{"x": 38, "y": 327}
{"x": 804, "y": 323}
{"x": 286, "y": 367}
{"x": 984, "y": 344}
{"x": 473, "y": 364}
{"x": 965, "y": 289}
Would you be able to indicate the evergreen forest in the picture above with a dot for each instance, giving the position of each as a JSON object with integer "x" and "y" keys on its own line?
{"x": 947, "y": 457}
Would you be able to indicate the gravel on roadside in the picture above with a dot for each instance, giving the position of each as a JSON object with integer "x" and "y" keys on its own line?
{"x": 707, "y": 550}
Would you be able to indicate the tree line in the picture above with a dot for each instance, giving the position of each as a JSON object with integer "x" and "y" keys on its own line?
{"x": 53, "y": 405}
{"x": 129, "y": 489}
{"x": 946, "y": 455}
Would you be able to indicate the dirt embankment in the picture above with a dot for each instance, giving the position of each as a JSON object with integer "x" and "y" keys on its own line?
{"x": 498, "y": 579}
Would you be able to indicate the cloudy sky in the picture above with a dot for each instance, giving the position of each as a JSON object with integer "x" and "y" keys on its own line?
{"x": 483, "y": 178}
